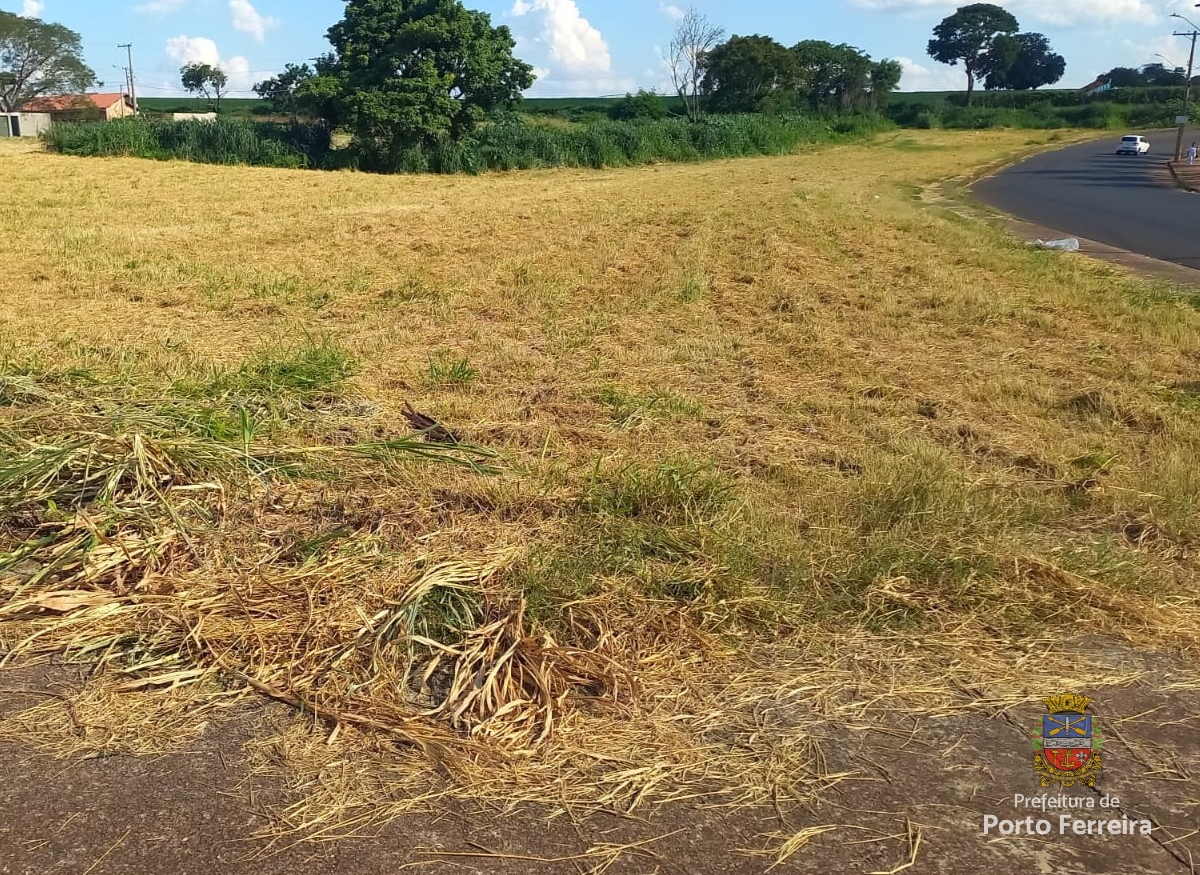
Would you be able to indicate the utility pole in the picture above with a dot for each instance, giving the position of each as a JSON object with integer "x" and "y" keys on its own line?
{"x": 1187, "y": 91}
{"x": 128, "y": 47}
{"x": 1187, "y": 85}
{"x": 125, "y": 71}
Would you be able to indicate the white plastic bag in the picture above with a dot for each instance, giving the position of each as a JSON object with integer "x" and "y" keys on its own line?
{"x": 1069, "y": 244}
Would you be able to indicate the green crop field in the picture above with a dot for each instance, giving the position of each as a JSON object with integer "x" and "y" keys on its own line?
{"x": 229, "y": 105}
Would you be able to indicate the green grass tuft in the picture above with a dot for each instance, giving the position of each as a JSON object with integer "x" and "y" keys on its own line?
{"x": 445, "y": 370}
{"x": 311, "y": 368}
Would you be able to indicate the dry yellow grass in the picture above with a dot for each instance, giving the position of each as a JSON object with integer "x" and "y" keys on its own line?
{"x": 776, "y": 440}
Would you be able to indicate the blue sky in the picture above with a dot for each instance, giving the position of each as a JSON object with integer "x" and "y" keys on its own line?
{"x": 595, "y": 47}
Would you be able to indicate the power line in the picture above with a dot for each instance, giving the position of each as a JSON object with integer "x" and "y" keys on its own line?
{"x": 125, "y": 70}
{"x": 177, "y": 90}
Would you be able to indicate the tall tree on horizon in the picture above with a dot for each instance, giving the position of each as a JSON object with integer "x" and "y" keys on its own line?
{"x": 205, "y": 80}
{"x": 1034, "y": 64}
{"x": 969, "y": 37}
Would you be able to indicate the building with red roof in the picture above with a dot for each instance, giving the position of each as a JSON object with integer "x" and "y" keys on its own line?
{"x": 81, "y": 107}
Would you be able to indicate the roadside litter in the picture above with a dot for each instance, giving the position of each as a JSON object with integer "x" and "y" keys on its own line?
{"x": 1069, "y": 244}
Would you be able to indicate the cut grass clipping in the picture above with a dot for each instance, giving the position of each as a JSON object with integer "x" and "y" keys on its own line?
{"x": 777, "y": 454}
{"x": 117, "y": 506}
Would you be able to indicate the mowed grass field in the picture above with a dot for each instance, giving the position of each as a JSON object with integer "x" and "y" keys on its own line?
{"x": 748, "y": 449}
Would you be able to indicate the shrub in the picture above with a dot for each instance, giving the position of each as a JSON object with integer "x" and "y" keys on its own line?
{"x": 927, "y": 119}
{"x": 643, "y": 105}
{"x": 511, "y": 144}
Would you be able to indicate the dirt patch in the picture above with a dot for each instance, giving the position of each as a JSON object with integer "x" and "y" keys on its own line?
{"x": 917, "y": 787}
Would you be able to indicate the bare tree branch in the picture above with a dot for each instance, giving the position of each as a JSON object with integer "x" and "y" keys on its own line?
{"x": 695, "y": 36}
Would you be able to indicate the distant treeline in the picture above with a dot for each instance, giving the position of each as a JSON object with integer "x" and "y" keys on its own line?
{"x": 1140, "y": 108}
{"x": 1143, "y": 107}
{"x": 1057, "y": 97}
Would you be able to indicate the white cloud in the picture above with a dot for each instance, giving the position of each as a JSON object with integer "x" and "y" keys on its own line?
{"x": 184, "y": 50}
{"x": 193, "y": 50}
{"x": 32, "y": 8}
{"x": 937, "y": 78}
{"x": 237, "y": 69}
{"x": 160, "y": 7}
{"x": 1074, "y": 12}
{"x": 569, "y": 38}
{"x": 672, "y": 11}
{"x": 571, "y": 56}
{"x": 248, "y": 20}
{"x": 1169, "y": 50}
{"x": 899, "y": 5}
{"x": 1090, "y": 11}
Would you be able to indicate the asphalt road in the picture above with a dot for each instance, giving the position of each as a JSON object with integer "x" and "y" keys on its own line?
{"x": 1089, "y": 191}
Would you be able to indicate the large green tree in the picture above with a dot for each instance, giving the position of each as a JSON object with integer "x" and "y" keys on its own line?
{"x": 282, "y": 92}
{"x": 885, "y": 78}
{"x": 1033, "y": 63}
{"x": 756, "y": 73}
{"x": 319, "y": 96}
{"x": 411, "y": 72}
{"x": 1124, "y": 77}
{"x": 748, "y": 74}
{"x": 832, "y": 77}
{"x": 37, "y": 58}
{"x": 968, "y": 37}
{"x": 1159, "y": 75}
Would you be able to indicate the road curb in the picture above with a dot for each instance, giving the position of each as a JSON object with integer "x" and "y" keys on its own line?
{"x": 1180, "y": 182}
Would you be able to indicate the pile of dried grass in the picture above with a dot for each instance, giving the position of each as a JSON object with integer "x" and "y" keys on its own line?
{"x": 118, "y": 551}
{"x": 182, "y": 569}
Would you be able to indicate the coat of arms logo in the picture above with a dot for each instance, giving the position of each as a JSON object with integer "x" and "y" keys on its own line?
{"x": 1067, "y": 751}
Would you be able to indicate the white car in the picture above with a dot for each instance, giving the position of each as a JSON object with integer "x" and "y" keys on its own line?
{"x": 1132, "y": 145}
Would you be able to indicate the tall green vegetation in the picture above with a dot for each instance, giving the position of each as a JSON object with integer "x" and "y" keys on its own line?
{"x": 223, "y": 141}
{"x": 38, "y": 58}
{"x": 885, "y": 78}
{"x": 429, "y": 85}
{"x": 748, "y": 74}
{"x": 508, "y": 144}
{"x": 643, "y": 105}
{"x": 1149, "y": 75}
{"x": 842, "y": 78}
{"x": 513, "y": 145}
{"x": 1134, "y": 108}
